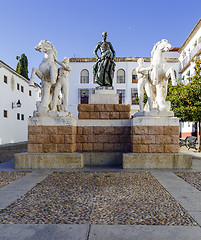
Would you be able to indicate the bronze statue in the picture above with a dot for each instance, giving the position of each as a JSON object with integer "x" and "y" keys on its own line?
{"x": 105, "y": 66}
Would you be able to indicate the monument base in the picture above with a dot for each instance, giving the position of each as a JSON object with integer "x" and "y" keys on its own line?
{"x": 102, "y": 158}
{"x": 155, "y": 135}
{"x": 156, "y": 161}
{"x": 104, "y": 97}
{"x": 49, "y": 161}
{"x": 79, "y": 160}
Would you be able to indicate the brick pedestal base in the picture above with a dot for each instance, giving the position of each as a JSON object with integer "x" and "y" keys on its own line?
{"x": 51, "y": 139}
{"x": 155, "y": 139}
{"x": 104, "y": 111}
{"x": 103, "y": 139}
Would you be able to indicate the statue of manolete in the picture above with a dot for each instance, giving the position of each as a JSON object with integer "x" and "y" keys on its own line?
{"x": 105, "y": 66}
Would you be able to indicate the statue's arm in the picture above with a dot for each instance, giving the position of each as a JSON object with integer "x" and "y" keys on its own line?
{"x": 144, "y": 70}
{"x": 65, "y": 66}
{"x": 96, "y": 50}
{"x": 113, "y": 52}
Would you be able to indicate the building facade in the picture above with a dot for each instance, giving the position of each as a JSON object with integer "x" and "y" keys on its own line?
{"x": 18, "y": 101}
{"x": 190, "y": 49}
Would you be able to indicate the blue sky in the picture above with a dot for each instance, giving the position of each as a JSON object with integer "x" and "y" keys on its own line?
{"x": 75, "y": 26}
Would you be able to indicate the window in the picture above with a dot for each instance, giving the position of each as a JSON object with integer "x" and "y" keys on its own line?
{"x": 120, "y": 76}
{"x": 189, "y": 124}
{"x": 5, "y": 113}
{"x": 84, "y": 96}
{"x": 188, "y": 73}
{"x": 121, "y": 93}
{"x": 94, "y": 79}
{"x": 133, "y": 96}
{"x": 134, "y": 76}
{"x": 22, "y": 89}
{"x": 22, "y": 117}
{"x": 84, "y": 76}
{"x": 18, "y": 116}
{"x": 29, "y": 92}
{"x": 18, "y": 86}
{"x": 5, "y": 79}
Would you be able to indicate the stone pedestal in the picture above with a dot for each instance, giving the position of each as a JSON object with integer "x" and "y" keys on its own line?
{"x": 52, "y": 135}
{"x": 155, "y": 143}
{"x": 151, "y": 134}
{"x": 104, "y": 97}
{"x": 156, "y": 161}
{"x": 49, "y": 161}
{"x": 103, "y": 128}
{"x": 104, "y": 111}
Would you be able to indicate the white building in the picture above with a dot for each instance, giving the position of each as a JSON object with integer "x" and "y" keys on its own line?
{"x": 81, "y": 79}
{"x": 190, "y": 49}
{"x": 18, "y": 101}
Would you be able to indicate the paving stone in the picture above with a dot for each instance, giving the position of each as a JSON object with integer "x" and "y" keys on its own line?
{"x": 125, "y": 198}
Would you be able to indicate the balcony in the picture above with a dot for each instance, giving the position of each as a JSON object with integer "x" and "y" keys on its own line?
{"x": 185, "y": 61}
{"x": 195, "y": 50}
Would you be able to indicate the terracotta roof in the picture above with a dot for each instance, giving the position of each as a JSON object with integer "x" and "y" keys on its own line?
{"x": 121, "y": 59}
{"x": 117, "y": 59}
{"x": 185, "y": 67}
{"x": 190, "y": 36}
{"x": 176, "y": 49}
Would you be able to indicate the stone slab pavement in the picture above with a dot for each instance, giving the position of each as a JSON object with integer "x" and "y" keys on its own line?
{"x": 43, "y": 231}
{"x": 7, "y": 166}
{"x": 96, "y": 232}
{"x": 184, "y": 193}
{"x": 11, "y": 192}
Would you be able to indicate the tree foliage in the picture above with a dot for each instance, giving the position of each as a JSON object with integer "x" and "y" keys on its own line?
{"x": 22, "y": 66}
{"x": 186, "y": 99}
{"x": 145, "y": 98}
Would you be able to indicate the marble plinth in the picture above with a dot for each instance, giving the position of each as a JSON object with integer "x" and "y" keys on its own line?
{"x": 49, "y": 161}
{"x": 156, "y": 161}
{"x": 104, "y": 97}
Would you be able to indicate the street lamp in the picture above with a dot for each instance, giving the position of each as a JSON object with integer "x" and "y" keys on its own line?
{"x": 16, "y": 104}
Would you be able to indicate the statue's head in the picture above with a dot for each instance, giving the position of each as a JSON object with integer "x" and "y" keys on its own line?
{"x": 163, "y": 46}
{"x": 104, "y": 35}
{"x": 140, "y": 61}
{"x": 45, "y": 46}
{"x": 66, "y": 60}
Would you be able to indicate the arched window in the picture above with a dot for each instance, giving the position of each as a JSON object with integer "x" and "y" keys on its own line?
{"x": 84, "y": 77}
{"x": 120, "y": 76}
{"x": 134, "y": 76}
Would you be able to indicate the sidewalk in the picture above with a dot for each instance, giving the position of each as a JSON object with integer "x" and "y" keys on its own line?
{"x": 185, "y": 196}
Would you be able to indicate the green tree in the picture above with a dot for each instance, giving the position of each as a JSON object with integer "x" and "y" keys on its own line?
{"x": 22, "y": 66}
{"x": 186, "y": 99}
{"x": 145, "y": 98}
